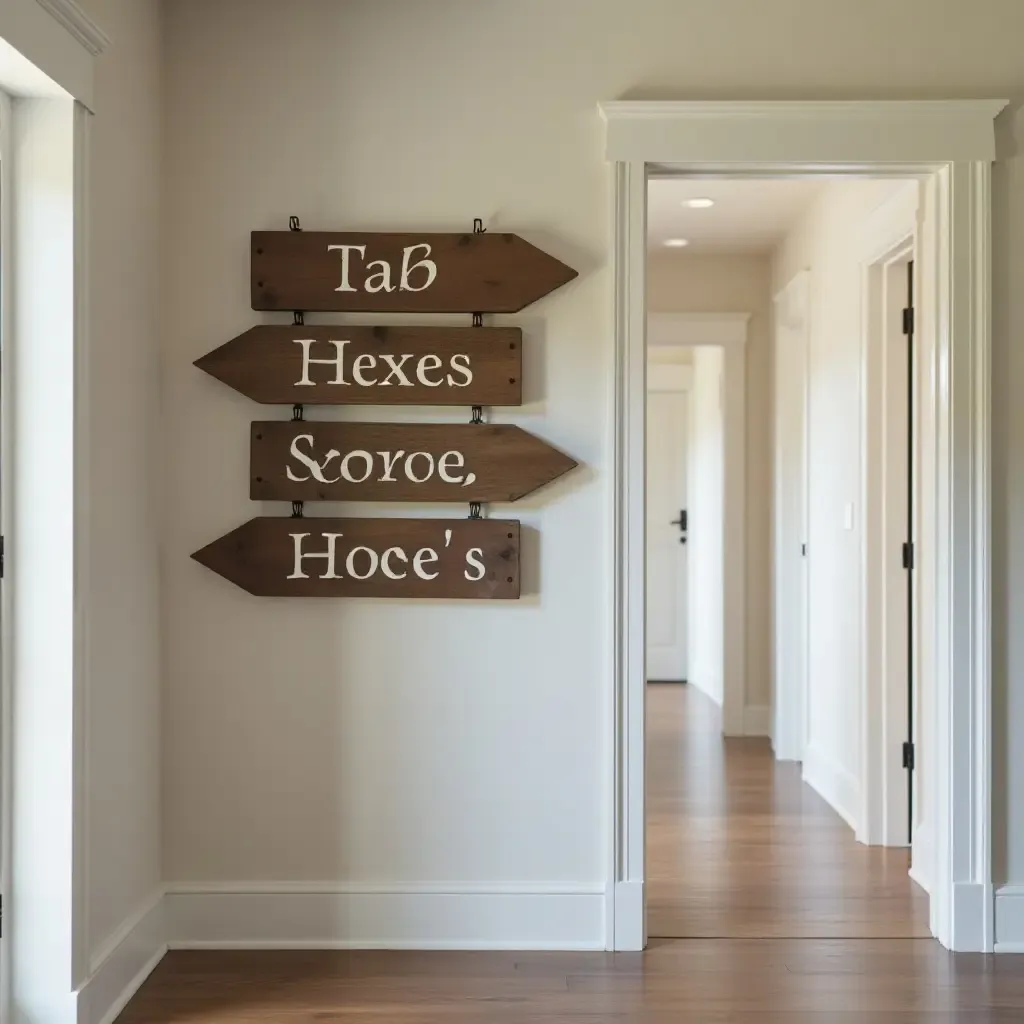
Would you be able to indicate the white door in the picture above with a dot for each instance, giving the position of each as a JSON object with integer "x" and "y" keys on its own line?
{"x": 791, "y": 553}
{"x": 668, "y": 418}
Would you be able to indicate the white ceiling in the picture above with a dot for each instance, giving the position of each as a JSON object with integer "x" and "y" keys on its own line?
{"x": 749, "y": 215}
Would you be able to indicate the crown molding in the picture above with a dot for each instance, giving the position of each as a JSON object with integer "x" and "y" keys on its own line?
{"x": 632, "y": 110}
{"x": 78, "y": 23}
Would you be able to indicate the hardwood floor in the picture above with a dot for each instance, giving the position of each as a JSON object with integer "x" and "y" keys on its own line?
{"x": 733, "y": 869}
{"x": 740, "y": 847}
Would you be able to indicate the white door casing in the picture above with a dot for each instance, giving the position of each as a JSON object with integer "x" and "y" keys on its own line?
{"x": 951, "y": 145}
{"x": 668, "y": 415}
{"x": 790, "y": 564}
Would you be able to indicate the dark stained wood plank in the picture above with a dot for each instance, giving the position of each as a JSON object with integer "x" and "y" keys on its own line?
{"x": 331, "y": 461}
{"x": 396, "y": 558}
{"x": 362, "y": 365}
{"x": 679, "y": 982}
{"x": 411, "y": 272}
{"x": 770, "y": 857}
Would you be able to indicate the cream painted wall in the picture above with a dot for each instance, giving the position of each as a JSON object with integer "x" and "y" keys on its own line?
{"x": 694, "y": 283}
{"x": 123, "y": 771}
{"x": 706, "y": 464}
{"x": 435, "y": 742}
{"x": 826, "y": 241}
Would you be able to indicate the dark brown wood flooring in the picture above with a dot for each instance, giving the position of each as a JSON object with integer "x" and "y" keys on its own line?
{"x": 739, "y": 847}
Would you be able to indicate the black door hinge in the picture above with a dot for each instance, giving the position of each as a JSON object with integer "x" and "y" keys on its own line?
{"x": 908, "y": 321}
{"x": 908, "y": 556}
{"x": 803, "y": 550}
{"x": 908, "y": 756}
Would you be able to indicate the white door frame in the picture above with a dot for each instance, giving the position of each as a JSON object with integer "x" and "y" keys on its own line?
{"x": 727, "y": 331}
{"x": 889, "y": 237}
{"x": 790, "y": 698}
{"x": 951, "y": 144}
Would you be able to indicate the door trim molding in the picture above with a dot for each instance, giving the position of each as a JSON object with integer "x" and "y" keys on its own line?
{"x": 951, "y": 144}
{"x": 791, "y": 308}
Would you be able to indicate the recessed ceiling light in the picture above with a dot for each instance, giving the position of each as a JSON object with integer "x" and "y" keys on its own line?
{"x": 699, "y": 204}
{"x": 676, "y": 243}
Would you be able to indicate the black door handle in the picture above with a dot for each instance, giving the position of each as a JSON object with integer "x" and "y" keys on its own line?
{"x": 681, "y": 523}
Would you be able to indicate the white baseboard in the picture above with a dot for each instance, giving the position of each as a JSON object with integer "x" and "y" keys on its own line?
{"x": 757, "y": 720}
{"x": 1010, "y": 919}
{"x": 833, "y": 783}
{"x": 122, "y": 964}
{"x": 708, "y": 681}
{"x": 281, "y": 915}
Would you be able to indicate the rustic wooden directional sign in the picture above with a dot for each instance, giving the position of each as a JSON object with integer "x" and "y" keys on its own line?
{"x": 362, "y": 272}
{"x": 331, "y": 461}
{"x": 434, "y": 558}
{"x": 342, "y": 365}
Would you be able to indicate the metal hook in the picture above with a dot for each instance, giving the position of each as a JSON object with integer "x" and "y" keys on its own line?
{"x": 297, "y": 412}
{"x": 478, "y": 414}
{"x": 296, "y": 510}
{"x": 299, "y": 319}
{"x": 293, "y": 224}
{"x": 474, "y": 510}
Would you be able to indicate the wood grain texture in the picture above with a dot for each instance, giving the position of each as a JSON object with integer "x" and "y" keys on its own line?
{"x": 475, "y": 273}
{"x": 749, "y": 817}
{"x": 260, "y": 557}
{"x": 398, "y": 462}
{"x": 267, "y": 364}
{"x": 703, "y": 981}
{"x": 739, "y": 846}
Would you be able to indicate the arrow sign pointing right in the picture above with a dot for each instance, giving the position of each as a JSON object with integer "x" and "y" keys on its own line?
{"x": 373, "y": 272}
{"x": 331, "y": 461}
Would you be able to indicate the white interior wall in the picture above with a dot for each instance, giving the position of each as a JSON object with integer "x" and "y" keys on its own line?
{"x": 265, "y": 699}
{"x": 124, "y": 855}
{"x": 706, "y": 494}
{"x": 827, "y": 242}
{"x": 737, "y": 283}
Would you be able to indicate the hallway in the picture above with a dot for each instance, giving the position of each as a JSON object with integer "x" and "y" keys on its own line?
{"x": 740, "y": 847}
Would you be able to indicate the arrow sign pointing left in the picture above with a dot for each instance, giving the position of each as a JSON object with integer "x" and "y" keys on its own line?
{"x": 332, "y": 461}
{"x": 314, "y": 557}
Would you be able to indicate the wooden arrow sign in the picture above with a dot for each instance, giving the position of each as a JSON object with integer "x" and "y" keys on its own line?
{"x": 397, "y": 558}
{"x": 366, "y": 272}
{"x": 331, "y": 461}
{"x": 343, "y": 365}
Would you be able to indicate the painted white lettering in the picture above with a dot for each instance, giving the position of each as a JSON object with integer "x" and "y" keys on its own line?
{"x": 447, "y": 462}
{"x": 329, "y": 555}
{"x": 390, "y": 458}
{"x": 367, "y": 462}
{"x": 361, "y": 249}
{"x": 431, "y": 362}
{"x": 396, "y": 370}
{"x": 422, "y": 556}
{"x": 350, "y": 563}
{"x": 407, "y": 268}
{"x": 369, "y": 362}
{"x": 385, "y": 563}
{"x": 430, "y": 467}
{"x": 462, "y": 368}
{"x": 307, "y": 360}
{"x": 316, "y": 471}
{"x": 473, "y": 556}
{"x": 379, "y": 280}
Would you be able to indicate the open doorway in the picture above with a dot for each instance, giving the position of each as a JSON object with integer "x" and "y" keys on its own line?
{"x": 770, "y": 768}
